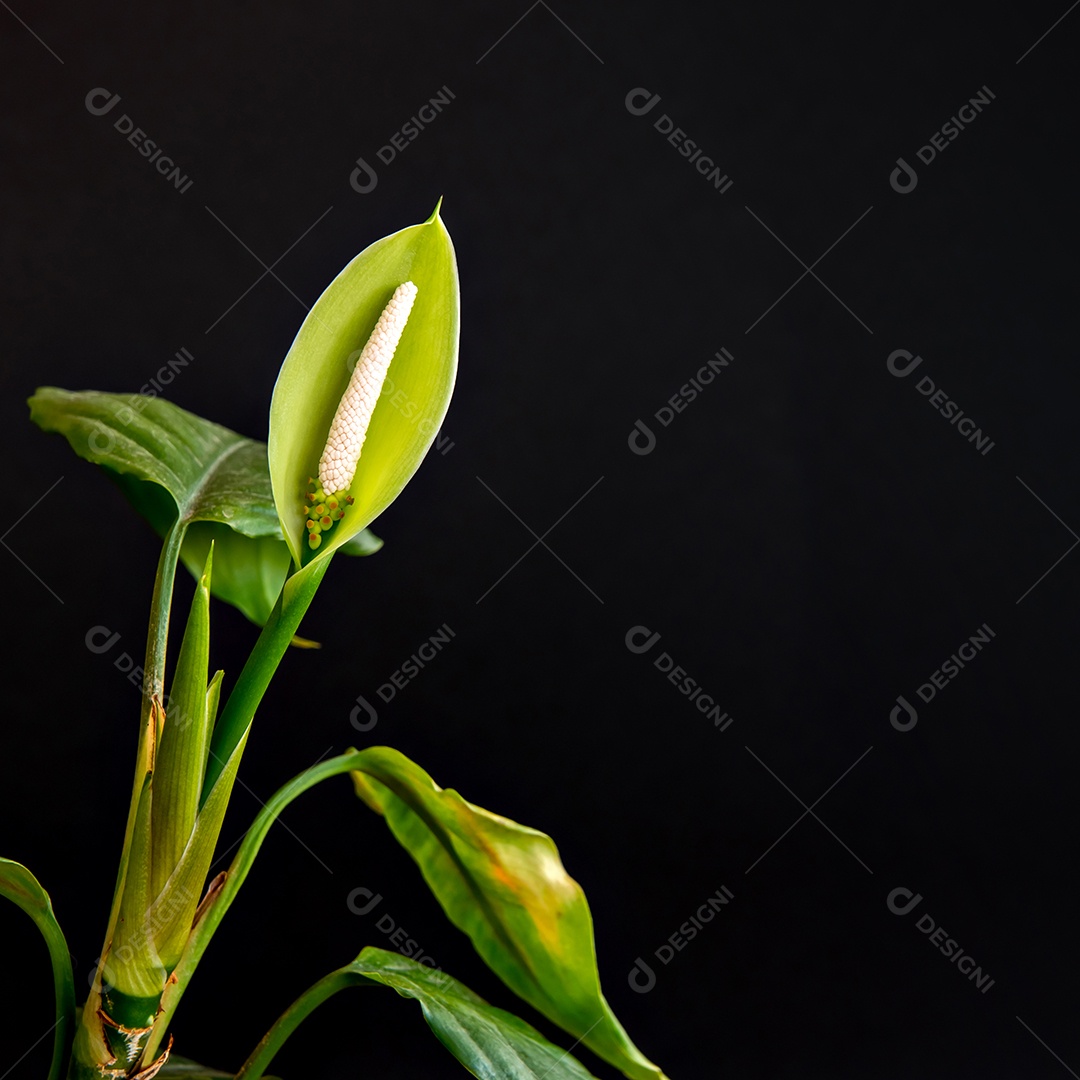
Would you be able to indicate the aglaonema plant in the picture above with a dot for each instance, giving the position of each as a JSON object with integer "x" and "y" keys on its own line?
{"x": 358, "y": 401}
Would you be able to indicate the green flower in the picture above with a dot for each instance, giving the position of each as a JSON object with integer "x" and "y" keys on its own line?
{"x": 364, "y": 389}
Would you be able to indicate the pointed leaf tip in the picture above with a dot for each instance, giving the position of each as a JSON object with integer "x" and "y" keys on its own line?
{"x": 505, "y": 886}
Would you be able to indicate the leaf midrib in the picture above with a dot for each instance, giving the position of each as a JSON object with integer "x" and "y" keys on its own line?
{"x": 186, "y": 511}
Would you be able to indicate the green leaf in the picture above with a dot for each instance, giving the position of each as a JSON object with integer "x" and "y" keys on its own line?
{"x": 212, "y": 473}
{"x": 504, "y": 885}
{"x": 173, "y": 839}
{"x": 180, "y": 759}
{"x": 154, "y": 927}
{"x": 220, "y": 899}
{"x": 383, "y": 767}
{"x": 365, "y": 542}
{"x": 248, "y": 571}
{"x": 132, "y": 967}
{"x": 252, "y": 558}
{"x": 23, "y": 889}
{"x": 414, "y": 398}
{"x": 491, "y": 1043}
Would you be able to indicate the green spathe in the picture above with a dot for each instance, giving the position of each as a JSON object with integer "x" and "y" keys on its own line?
{"x": 415, "y": 396}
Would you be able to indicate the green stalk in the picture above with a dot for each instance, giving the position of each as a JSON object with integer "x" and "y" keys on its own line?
{"x": 229, "y": 732}
{"x": 220, "y": 903}
{"x": 19, "y": 885}
{"x": 293, "y": 1017}
{"x": 157, "y": 639}
{"x": 277, "y": 634}
{"x": 91, "y": 1049}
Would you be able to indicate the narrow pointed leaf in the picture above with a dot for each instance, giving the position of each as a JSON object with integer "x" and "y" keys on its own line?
{"x": 91, "y": 1041}
{"x": 133, "y": 968}
{"x": 179, "y": 899}
{"x": 491, "y": 1043}
{"x": 318, "y": 367}
{"x": 213, "y": 697}
{"x": 185, "y": 739}
{"x": 504, "y": 885}
{"x": 23, "y": 889}
{"x": 248, "y": 571}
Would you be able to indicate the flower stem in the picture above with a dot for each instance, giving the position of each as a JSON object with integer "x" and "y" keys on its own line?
{"x": 263, "y": 1054}
{"x": 296, "y": 596}
{"x": 91, "y": 1049}
{"x": 238, "y": 870}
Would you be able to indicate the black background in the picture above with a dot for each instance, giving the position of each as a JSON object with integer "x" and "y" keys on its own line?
{"x": 809, "y": 537}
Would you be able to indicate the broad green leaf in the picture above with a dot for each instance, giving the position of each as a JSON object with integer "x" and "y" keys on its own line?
{"x": 504, "y": 885}
{"x": 414, "y": 398}
{"x": 491, "y": 1043}
{"x": 23, "y": 889}
{"x": 212, "y": 473}
{"x": 252, "y": 559}
{"x": 248, "y": 570}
